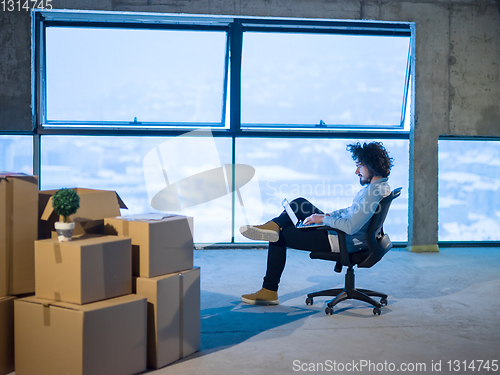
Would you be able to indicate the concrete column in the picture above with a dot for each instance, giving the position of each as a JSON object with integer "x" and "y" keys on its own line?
{"x": 430, "y": 110}
{"x": 15, "y": 71}
{"x": 431, "y": 92}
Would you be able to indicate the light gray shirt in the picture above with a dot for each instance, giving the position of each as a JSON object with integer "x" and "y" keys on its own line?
{"x": 355, "y": 219}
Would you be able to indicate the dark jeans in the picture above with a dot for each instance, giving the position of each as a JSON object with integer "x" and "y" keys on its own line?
{"x": 300, "y": 239}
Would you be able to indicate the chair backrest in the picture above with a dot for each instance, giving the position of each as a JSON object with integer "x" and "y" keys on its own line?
{"x": 378, "y": 242}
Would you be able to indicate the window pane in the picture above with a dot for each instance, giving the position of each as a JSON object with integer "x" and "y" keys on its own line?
{"x": 321, "y": 171}
{"x": 118, "y": 163}
{"x": 121, "y": 74}
{"x": 469, "y": 182}
{"x": 301, "y": 79}
{"x": 16, "y": 153}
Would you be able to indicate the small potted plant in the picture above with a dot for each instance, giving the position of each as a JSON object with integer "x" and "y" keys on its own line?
{"x": 65, "y": 203}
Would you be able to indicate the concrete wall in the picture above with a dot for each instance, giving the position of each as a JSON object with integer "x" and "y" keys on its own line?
{"x": 457, "y": 80}
{"x": 15, "y": 71}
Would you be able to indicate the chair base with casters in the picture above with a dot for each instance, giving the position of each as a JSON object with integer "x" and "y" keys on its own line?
{"x": 349, "y": 292}
{"x": 378, "y": 244}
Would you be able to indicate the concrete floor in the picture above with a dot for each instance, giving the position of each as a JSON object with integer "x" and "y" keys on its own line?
{"x": 442, "y": 307}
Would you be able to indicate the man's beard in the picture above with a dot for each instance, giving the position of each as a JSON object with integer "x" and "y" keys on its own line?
{"x": 365, "y": 181}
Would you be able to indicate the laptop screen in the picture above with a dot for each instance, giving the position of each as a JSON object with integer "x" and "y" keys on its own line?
{"x": 290, "y": 212}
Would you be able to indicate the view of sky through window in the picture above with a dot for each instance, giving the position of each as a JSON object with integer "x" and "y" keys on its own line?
{"x": 318, "y": 169}
{"x": 126, "y": 74}
{"x": 304, "y": 79}
{"x": 16, "y": 153}
{"x": 469, "y": 185}
{"x": 322, "y": 171}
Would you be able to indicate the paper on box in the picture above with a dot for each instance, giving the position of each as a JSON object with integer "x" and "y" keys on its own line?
{"x": 159, "y": 247}
{"x": 18, "y": 231}
{"x": 6, "y": 335}
{"x": 95, "y": 205}
{"x": 87, "y": 269}
{"x": 106, "y": 337}
{"x": 173, "y": 315}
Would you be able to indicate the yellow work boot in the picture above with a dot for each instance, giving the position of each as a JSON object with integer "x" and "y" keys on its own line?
{"x": 269, "y": 231}
{"x": 262, "y": 297}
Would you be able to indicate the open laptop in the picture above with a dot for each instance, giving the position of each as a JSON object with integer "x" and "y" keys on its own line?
{"x": 298, "y": 223}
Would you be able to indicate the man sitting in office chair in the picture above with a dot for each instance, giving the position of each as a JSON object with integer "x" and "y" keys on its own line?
{"x": 373, "y": 166}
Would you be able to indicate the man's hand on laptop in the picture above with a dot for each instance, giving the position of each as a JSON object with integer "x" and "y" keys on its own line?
{"x": 314, "y": 219}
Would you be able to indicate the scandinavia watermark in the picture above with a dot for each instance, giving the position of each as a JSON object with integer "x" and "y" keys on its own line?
{"x": 333, "y": 195}
{"x": 324, "y": 188}
{"x": 185, "y": 176}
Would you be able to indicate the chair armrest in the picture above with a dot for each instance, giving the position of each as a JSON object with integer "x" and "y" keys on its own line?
{"x": 344, "y": 254}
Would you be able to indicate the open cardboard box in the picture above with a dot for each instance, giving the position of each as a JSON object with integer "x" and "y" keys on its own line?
{"x": 18, "y": 232}
{"x": 95, "y": 205}
{"x": 106, "y": 337}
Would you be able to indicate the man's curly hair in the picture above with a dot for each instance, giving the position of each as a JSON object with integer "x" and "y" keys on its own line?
{"x": 373, "y": 155}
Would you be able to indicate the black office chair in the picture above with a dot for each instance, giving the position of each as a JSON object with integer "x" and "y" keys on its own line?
{"x": 378, "y": 245}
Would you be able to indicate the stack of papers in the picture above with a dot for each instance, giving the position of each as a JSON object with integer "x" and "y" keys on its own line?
{"x": 149, "y": 216}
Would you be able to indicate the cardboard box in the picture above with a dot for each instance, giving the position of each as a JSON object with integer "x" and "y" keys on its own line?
{"x": 95, "y": 205}
{"x": 18, "y": 231}
{"x": 87, "y": 269}
{"x": 173, "y": 316}
{"x": 159, "y": 247}
{"x": 106, "y": 337}
{"x": 6, "y": 335}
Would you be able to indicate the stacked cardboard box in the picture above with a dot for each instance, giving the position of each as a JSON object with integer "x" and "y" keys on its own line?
{"x": 83, "y": 318}
{"x": 163, "y": 272}
{"x": 105, "y": 337}
{"x": 18, "y": 231}
{"x": 6, "y": 335}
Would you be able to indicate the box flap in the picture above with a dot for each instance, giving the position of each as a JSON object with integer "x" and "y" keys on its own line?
{"x": 15, "y": 174}
{"x": 6, "y": 175}
{"x": 94, "y": 205}
{"x": 120, "y": 202}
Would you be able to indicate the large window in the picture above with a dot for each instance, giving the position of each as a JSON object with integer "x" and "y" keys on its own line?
{"x": 98, "y": 76}
{"x": 323, "y": 80}
{"x": 116, "y": 97}
{"x": 118, "y": 163}
{"x": 114, "y": 70}
{"x": 318, "y": 169}
{"x": 322, "y": 171}
{"x": 469, "y": 184}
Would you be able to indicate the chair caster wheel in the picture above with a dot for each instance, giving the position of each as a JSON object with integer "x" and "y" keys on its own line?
{"x": 383, "y": 301}
{"x": 309, "y": 301}
{"x": 376, "y": 311}
{"x": 329, "y": 310}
